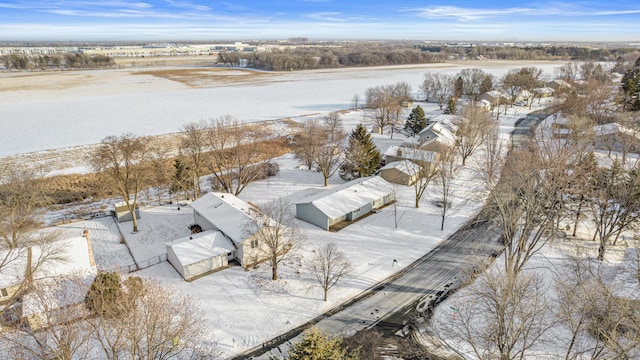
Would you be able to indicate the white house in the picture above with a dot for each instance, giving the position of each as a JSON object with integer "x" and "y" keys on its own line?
{"x": 52, "y": 266}
{"x": 232, "y": 217}
{"x": 346, "y": 202}
{"x": 200, "y": 253}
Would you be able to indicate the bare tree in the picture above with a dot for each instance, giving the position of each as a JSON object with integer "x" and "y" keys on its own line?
{"x": 447, "y": 170}
{"x": 527, "y": 199}
{"x": 329, "y": 266}
{"x": 122, "y": 159}
{"x": 502, "y": 317}
{"x": 236, "y": 151}
{"x": 159, "y": 169}
{"x": 276, "y": 232}
{"x": 437, "y": 86}
{"x": 140, "y": 327}
{"x": 195, "y": 147}
{"x": 22, "y": 197}
{"x": 59, "y": 331}
{"x": 334, "y": 124}
{"x": 615, "y": 203}
{"x": 309, "y": 141}
{"x": 328, "y": 159}
{"x": 423, "y": 166}
{"x": 473, "y": 80}
{"x": 356, "y": 101}
{"x": 473, "y": 124}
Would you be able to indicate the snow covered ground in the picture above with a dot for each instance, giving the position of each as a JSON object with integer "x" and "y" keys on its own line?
{"x": 245, "y": 307}
{"x": 65, "y": 109}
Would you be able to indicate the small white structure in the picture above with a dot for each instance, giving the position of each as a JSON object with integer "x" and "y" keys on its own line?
{"x": 122, "y": 213}
{"x": 200, "y": 253}
{"x": 345, "y": 202}
{"x": 418, "y": 156}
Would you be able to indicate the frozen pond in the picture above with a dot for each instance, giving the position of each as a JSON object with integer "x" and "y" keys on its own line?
{"x": 35, "y": 119}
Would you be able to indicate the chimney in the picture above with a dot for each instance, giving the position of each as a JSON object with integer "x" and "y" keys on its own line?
{"x": 85, "y": 234}
{"x": 399, "y": 152}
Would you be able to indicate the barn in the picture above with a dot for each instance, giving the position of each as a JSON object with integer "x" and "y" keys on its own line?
{"x": 346, "y": 202}
{"x": 200, "y": 253}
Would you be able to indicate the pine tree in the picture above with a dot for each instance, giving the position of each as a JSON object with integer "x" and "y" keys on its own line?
{"x": 362, "y": 157}
{"x": 415, "y": 122}
{"x": 458, "y": 87}
{"x": 317, "y": 346}
{"x": 631, "y": 90}
{"x": 451, "y": 107}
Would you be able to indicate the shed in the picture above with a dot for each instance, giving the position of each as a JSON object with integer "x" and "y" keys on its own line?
{"x": 401, "y": 172}
{"x": 345, "y": 202}
{"x": 122, "y": 212}
{"x": 200, "y": 253}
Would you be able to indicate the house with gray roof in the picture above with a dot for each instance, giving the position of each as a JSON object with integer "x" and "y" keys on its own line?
{"x": 346, "y": 202}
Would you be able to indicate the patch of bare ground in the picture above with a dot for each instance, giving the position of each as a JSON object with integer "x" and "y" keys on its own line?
{"x": 208, "y": 77}
{"x": 44, "y": 80}
{"x": 163, "y": 61}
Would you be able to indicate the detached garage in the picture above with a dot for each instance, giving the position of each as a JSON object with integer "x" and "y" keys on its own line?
{"x": 401, "y": 172}
{"x": 200, "y": 253}
{"x": 345, "y": 202}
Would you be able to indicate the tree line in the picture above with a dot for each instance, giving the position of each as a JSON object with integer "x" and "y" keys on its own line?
{"x": 66, "y": 61}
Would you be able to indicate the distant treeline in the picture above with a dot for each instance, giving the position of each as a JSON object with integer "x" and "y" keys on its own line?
{"x": 56, "y": 62}
{"x": 531, "y": 53}
{"x": 305, "y": 58}
{"x": 390, "y": 53}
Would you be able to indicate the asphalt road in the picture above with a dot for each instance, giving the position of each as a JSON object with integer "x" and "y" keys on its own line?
{"x": 411, "y": 293}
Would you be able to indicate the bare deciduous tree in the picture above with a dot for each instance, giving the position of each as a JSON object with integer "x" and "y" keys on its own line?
{"x": 329, "y": 266}
{"x": 195, "y": 147}
{"x": 447, "y": 170}
{"x": 437, "y": 86}
{"x": 328, "y": 159}
{"x": 502, "y": 317}
{"x": 308, "y": 142}
{"x": 276, "y": 232}
{"x": 334, "y": 125}
{"x": 423, "y": 166}
{"x": 122, "y": 159}
{"x": 236, "y": 151}
{"x": 473, "y": 124}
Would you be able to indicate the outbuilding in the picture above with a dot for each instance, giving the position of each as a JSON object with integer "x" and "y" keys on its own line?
{"x": 346, "y": 202}
{"x": 200, "y": 253}
{"x": 401, "y": 172}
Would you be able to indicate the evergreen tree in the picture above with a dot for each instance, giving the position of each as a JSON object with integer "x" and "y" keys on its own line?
{"x": 415, "y": 122}
{"x": 362, "y": 157}
{"x": 631, "y": 89}
{"x": 451, "y": 107}
{"x": 458, "y": 88}
{"x": 317, "y": 346}
{"x": 103, "y": 297}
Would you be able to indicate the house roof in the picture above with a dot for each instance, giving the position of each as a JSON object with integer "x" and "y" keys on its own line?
{"x": 406, "y": 167}
{"x": 448, "y": 121}
{"x": 344, "y": 198}
{"x": 410, "y": 153}
{"x": 64, "y": 257}
{"x": 202, "y": 246}
{"x": 443, "y": 133}
{"x": 227, "y": 213}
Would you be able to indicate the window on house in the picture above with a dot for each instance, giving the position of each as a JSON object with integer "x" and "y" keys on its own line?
{"x": 4, "y": 292}
{"x": 254, "y": 244}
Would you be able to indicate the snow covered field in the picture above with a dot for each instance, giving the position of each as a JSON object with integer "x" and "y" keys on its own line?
{"x": 41, "y": 111}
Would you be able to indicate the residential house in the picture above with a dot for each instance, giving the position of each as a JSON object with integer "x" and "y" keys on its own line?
{"x": 200, "y": 253}
{"x": 557, "y": 84}
{"x": 436, "y": 135}
{"x": 400, "y": 153}
{"x": 346, "y": 202}
{"x": 495, "y": 97}
{"x": 233, "y": 217}
{"x": 54, "y": 267}
{"x": 401, "y": 172}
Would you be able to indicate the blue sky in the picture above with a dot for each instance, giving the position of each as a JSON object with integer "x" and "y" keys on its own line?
{"x": 320, "y": 19}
